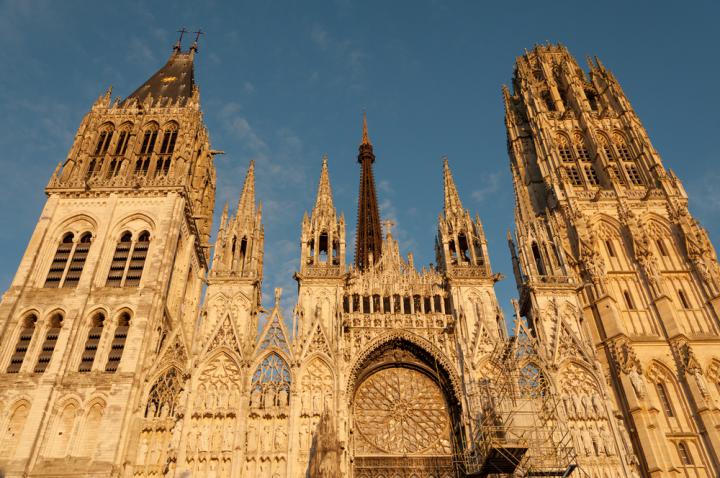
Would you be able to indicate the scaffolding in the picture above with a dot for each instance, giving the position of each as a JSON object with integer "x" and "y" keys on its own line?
{"x": 517, "y": 431}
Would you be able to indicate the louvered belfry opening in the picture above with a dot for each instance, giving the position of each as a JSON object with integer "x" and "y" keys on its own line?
{"x": 60, "y": 260}
{"x": 92, "y": 342}
{"x": 118, "y": 344}
{"x": 48, "y": 347}
{"x": 369, "y": 235}
{"x": 25, "y": 337}
{"x": 137, "y": 260}
{"x": 77, "y": 263}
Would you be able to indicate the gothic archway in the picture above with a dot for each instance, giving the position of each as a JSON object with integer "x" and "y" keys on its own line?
{"x": 405, "y": 416}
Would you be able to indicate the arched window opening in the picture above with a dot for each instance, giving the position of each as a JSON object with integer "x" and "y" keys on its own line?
{"x": 335, "y": 252}
{"x": 661, "y": 247}
{"x": 623, "y": 149}
{"x": 356, "y": 302}
{"x": 548, "y": 100}
{"x": 634, "y": 174}
{"x": 609, "y": 154}
{"x": 628, "y": 300}
{"x": 92, "y": 342}
{"x": 148, "y": 143}
{"x": 60, "y": 260}
{"x": 453, "y": 252}
{"x": 64, "y": 426}
{"x": 565, "y": 151}
{"x": 168, "y": 142}
{"x": 564, "y": 98}
{"x": 48, "y": 346}
{"x": 538, "y": 259}
{"x": 77, "y": 263}
{"x": 592, "y": 99}
{"x": 103, "y": 142}
{"x": 396, "y": 304}
{"x": 574, "y": 176}
{"x": 591, "y": 175}
{"x": 609, "y": 247}
{"x": 119, "y": 261}
{"x": 346, "y": 304}
{"x": 234, "y": 246}
{"x": 323, "y": 246}
{"x": 376, "y": 303}
{"x": 122, "y": 143}
{"x": 12, "y": 431}
{"x": 464, "y": 248}
{"x": 137, "y": 260}
{"x": 163, "y": 395}
{"x": 427, "y": 303}
{"x": 113, "y": 169}
{"x": 683, "y": 299}
{"x": 437, "y": 304}
{"x": 684, "y": 453}
{"x": 94, "y": 168}
{"x": 582, "y": 151}
{"x": 270, "y": 386}
{"x": 118, "y": 344}
{"x": 243, "y": 253}
{"x": 366, "y": 304}
{"x": 665, "y": 400}
{"x": 406, "y": 305}
{"x": 27, "y": 329}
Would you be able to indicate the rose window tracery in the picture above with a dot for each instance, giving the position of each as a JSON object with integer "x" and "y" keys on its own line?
{"x": 401, "y": 411}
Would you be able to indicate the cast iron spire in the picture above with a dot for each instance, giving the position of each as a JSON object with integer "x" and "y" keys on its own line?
{"x": 368, "y": 240}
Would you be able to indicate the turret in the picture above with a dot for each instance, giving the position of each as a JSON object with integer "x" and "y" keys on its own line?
{"x": 323, "y": 233}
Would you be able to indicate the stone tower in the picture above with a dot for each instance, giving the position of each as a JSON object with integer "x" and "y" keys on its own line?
{"x": 611, "y": 264}
{"x": 106, "y": 296}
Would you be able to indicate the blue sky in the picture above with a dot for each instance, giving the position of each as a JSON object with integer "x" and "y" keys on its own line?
{"x": 285, "y": 82}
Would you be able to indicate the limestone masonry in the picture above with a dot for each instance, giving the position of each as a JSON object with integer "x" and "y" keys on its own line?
{"x": 112, "y": 365}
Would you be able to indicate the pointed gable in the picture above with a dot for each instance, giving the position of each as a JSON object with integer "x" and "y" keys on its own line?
{"x": 225, "y": 336}
{"x": 274, "y": 334}
{"x": 317, "y": 342}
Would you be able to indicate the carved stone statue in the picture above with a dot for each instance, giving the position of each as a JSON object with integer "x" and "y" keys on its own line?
{"x": 638, "y": 383}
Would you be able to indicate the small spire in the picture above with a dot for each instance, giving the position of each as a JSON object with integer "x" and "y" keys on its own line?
{"x": 223, "y": 218}
{"x": 246, "y": 204}
{"x": 365, "y": 137}
{"x": 324, "y": 194}
{"x": 452, "y": 199}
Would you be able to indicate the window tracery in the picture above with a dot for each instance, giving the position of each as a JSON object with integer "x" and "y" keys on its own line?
{"x": 163, "y": 395}
{"x": 271, "y": 383}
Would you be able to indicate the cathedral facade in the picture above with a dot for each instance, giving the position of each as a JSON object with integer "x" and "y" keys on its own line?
{"x": 132, "y": 346}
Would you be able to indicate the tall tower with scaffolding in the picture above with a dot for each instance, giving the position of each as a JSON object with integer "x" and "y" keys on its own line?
{"x": 613, "y": 270}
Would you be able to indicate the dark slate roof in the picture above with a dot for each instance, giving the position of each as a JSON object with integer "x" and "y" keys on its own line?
{"x": 174, "y": 80}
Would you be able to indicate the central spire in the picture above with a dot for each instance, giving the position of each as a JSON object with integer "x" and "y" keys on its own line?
{"x": 368, "y": 239}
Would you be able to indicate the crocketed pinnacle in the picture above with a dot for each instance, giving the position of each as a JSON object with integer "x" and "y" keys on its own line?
{"x": 246, "y": 205}
{"x": 324, "y": 201}
{"x": 452, "y": 199}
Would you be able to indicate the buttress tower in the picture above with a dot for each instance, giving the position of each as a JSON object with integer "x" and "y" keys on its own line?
{"x": 106, "y": 296}
{"x": 611, "y": 264}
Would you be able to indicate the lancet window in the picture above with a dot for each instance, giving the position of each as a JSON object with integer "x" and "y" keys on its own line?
{"x": 664, "y": 399}
{"x": 91, "y": 343}
{"x": 548, "y": 100}
{"x": 271, "y": 383}
{"x": 13, "y": 429}
{"x": 118, "y": 344}
{"x": 48, "y": 347}
{"x": 69, "y": 260}
{"x": 103, "y": 142}
{"x": 142, "y": 163}
{"x": 27, "y": 330}
{"x": 128, "y": 260}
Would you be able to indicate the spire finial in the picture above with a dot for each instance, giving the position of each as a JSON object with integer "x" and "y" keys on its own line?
{"x": 178, "y": 45}
{"x": 246, "y": 204}
{"x": 324, "y": 194}
{"x": 194, "y": 46}
{"x": 452, "y": 198}
{"x": 365, "y": 137}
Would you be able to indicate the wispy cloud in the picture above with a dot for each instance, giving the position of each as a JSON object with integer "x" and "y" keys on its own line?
{"x": 489, "y": 185}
